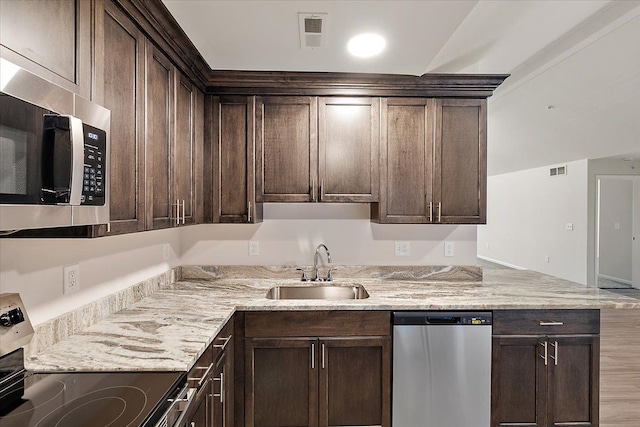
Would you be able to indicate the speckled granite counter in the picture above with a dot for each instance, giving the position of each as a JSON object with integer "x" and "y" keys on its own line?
{"x": 170, "y": 328}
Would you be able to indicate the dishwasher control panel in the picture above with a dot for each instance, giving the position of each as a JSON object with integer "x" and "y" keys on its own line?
{"x": 469, "y": 318}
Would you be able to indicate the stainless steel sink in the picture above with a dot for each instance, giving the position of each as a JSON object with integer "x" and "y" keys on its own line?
{"x": 324, "y": 292}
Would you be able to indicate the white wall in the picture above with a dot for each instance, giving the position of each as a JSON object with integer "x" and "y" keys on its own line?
{"x": 289, "y": 235}
{"x": 615, "y": 224}
{"x": 33, "y": 267}
{"x": 291, "y": 232}
{"x": 527, "y": 213}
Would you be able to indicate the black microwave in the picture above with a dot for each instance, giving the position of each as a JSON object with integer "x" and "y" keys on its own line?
{"x": 54, "y": 154}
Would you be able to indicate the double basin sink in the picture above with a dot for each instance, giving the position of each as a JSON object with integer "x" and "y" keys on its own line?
{"x": 319, "y": 292}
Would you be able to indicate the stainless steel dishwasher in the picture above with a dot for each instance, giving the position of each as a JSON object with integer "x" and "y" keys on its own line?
{"x": 441, "y": 369}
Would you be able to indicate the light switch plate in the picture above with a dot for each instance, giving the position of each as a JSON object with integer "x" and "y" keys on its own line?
{"x": 403, "y": 248}
{"x": 449, "y": 248}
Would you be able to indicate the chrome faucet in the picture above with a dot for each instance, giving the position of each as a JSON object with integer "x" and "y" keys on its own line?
{"x": 316, "y": 257}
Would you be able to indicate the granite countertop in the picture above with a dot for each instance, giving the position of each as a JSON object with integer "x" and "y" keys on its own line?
{"x": 169, "y": 330}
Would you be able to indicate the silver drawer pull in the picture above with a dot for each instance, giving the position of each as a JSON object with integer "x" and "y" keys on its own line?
{"x": 221, "y": 395}
{"x": 552, "y": 323}
{"x": 203, "y": 377}
{"x": 226, "y": 341}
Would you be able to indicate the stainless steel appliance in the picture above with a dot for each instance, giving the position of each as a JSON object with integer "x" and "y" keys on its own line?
{"x": 80, "y": 399}
{"x": 54, "y": 154}
{"x": 441, "y": 369}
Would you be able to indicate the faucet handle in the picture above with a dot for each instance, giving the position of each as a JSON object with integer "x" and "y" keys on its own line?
{"x": 304, "y": 277}
{"x": 329, "y": 277}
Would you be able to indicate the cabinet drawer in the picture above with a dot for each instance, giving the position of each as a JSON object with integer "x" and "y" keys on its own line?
{"x": 546, "y": 322}
{"x": 317, "y": 323}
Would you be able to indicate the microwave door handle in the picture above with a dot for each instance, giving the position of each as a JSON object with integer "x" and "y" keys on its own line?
{"x": 77, "y": 164}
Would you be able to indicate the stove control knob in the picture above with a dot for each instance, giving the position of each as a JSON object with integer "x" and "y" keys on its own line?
{"x": 12, "y": 317}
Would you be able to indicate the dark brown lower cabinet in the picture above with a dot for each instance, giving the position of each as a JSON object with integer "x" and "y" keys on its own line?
{"x": 546, "y": 379}
{"x": 317, "y": 381}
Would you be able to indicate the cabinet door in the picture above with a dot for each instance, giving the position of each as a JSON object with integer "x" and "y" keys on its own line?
{"x": 573, "y": 373}
{"x": 123, "y": 93}
{"x": 406, "y": 161}
{"x": 281, "y": 382}
{"x": 518, "y": 382}
{"x": 233, "y": 160}
{"x": 159, "y": 112}
{"x": 286, "y": 149}
{"x": 355, "y": 382}
{"x": 51, "y": 39}
{"x": 460, "y": 161}
{"x": 183, "y": 157}
{"x": 349, "y": 141}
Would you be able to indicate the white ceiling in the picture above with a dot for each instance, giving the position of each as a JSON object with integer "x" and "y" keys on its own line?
{"x": 581, "y": 58}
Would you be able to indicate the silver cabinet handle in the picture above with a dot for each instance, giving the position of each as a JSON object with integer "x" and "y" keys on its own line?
{"x": 321, "y": 189}
{"x": 430, "y": 212}
{"x": 313, "y": 356}
{"x": 221, "y": 395}
{"x": 177, "y": 205}
{"x": 552, "y": 323}
{"x": 439, "y": 211}
{"x": 248, "y": 211}
{"x": 546, "y": 360}
{"x": 184, "y": 210}
{"x": 322, "y": 355}
{"x": 204, "y": 376}
{"x": 226, "y": 341}
{"x": 313, "y": 190}
{"x": 555, "y": 353}
{"x": 193, "y": 424}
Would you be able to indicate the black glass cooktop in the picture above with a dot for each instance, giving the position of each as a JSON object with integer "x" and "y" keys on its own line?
{"x": 83, "y": 399}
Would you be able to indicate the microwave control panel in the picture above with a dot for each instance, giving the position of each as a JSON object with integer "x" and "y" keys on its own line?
{"x": 94, "y": 177}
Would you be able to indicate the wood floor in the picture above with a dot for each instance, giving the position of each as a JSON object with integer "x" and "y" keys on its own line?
{"x": 620, "y": 368}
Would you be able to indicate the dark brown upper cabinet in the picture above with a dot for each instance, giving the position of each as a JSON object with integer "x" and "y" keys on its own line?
{"x": 159, "y": 108}
{"x": 121, "y": 90}
{"x": 317, "y": 150}
{"x": 433, "y": 161}
{"x": 286, "y": 149}
{"x": 406, "y": 161}
{"x": 460, "y": 161}
{"x": 51, "y": 39}
{"x": 349, "y": 135}
{"x": 231, "y": 173}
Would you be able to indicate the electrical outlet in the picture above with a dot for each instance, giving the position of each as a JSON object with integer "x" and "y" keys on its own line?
{"x": 71, "y": 278}
{"x": 487, "y": 246}
{"x": 403, "y": 248}
{"x": 254, "y": 248}
{"x": 569, "y": 226}
{"x": 546, "y": 258}
{"x": 449, "y": 248}
{"x": 166, "y": 251}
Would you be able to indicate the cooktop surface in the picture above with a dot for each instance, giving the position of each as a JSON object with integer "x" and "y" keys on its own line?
{"x": 82, "y": 399}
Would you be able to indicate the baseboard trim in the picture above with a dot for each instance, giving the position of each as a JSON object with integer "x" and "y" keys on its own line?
{"x": 506, "y": 264}
{"x": 616, "y": 279}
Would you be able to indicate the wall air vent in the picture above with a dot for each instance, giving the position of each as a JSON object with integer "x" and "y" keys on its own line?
{"x": 558, "y": 171}
{"x": 313, "y": 27}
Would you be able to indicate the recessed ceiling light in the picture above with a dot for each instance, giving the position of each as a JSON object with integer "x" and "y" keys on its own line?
{"x": 366, "y": 45}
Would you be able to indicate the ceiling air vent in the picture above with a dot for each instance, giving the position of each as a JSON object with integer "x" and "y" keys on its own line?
{"x": 312, "y": 29}
{"x": 557, "y": 171}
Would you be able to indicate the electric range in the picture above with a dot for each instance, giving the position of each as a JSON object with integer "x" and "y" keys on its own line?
{"x": 79, "y": 399}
